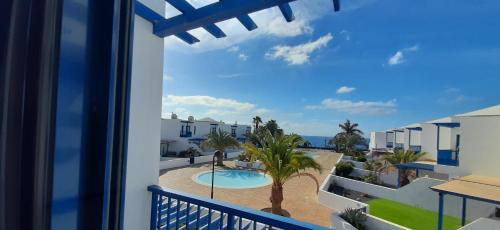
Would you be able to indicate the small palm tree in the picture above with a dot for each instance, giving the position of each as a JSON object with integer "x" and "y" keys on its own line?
{"x": 220, "y": 141}
{"x": 350, "y": 128}
{"x": 402, "y": 157}
{"x": 257, "y": 120}
{"x": 282, "y": 162}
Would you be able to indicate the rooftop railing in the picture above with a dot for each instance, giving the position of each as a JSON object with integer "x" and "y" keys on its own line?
{"x": 172, "y": 209}
{"x": 416, "y": 148}
{"x": 447, "y": 157}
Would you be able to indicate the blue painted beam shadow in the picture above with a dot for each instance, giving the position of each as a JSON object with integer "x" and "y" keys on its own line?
{"x": 247, "y": 22}
{"x": 186, "y": 8}
{"x": 287, "y": 12}
{"x": 187, "y": 37}
{"x": 213, "y": 13}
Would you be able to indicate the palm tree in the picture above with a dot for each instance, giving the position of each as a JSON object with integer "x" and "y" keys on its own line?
{"x": 282, "y": 161}
{"x": 257, "y": 120}
{"x": 350, "y": 128}
{"x": 274, "y": 128}
{"x": 402, "y": 157}
{"x": 220, "y": 141}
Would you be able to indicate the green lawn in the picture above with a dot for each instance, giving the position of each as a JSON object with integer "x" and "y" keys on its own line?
{"x": 409, "y": 216}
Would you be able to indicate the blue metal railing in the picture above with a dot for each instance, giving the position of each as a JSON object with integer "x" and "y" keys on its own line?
{"x": 186, "y": 134}
{"x": 416, "y": 148}
{"x": 447, "y": 157}
{"x": 172, "y": 209}
{"x": 399, "y": 146}
{"x": 389, "y": 144}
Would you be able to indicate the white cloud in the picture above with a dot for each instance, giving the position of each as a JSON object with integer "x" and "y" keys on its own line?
{"x": 167, "y": 77}
{"x": 366, "y": 107}
{"x": 299, "y": 54}
{"x": 399, "y": 56}
{"x": 456, "y": 96}
{"x": 232, "y": 75}
{"x": 225, "y": 109}
{"x": 243, "y": 57}
{"x": 345, "y": 89}
{"x": 346, "y": 34}
{"x": 233, "y": 49}
{"x": 207, "y": 101}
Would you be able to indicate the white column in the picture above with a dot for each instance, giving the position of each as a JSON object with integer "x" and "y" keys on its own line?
{"x": 143, "y": 157}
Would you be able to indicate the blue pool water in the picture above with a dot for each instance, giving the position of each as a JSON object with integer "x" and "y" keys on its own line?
{"x": 237, "y": 179}
{"x": 312, "y": 155}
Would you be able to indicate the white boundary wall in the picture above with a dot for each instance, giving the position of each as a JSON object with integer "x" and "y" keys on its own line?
{"x": 182, "y": 162}
{"x": 482, "y": 224}
{"x": 419, "y": 194}
{"x": 372, "y": 222}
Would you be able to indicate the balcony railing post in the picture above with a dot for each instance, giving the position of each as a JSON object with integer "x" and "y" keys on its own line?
{"x": 230, "y": 221}
{"x": 154, "y": 210}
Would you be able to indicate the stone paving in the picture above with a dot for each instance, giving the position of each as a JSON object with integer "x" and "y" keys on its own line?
{"x": 300, "y": 197}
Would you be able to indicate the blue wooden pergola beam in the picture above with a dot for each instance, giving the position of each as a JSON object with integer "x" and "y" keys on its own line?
{"x": 247, "y": 22}
{"x": 153, "y": 17}
{"x": 287, "y": 12}
{"x": 187, "y": 9}
{"x": 213, "y": 13}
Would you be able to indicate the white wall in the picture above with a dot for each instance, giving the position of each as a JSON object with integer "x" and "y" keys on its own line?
{"x": 480, "y": 145}
{"x": 419, "y": 194}
{"x": 482, "y": 224}
{"x": 182, "y": 162}
{"x": 377, "y": 140}
{"x": 400, "y": 137}
{"x": 428, "y": 141}
{"x": 415, "y": 138}
{"x": 144, "y": 123}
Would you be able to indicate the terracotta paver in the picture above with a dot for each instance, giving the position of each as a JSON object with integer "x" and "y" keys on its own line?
{"x": 300, "y": 197}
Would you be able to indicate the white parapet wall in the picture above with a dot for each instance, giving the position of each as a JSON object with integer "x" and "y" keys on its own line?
{"x": 183, "y": 162}
{"x": 482, "y": 224}
{"x": 418, "y": 194}
{"x": 372, "y": 222}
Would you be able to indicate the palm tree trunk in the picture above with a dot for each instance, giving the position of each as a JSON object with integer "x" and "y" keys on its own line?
{"x": 276, "y": 198}
{"x": 220, "y": 158}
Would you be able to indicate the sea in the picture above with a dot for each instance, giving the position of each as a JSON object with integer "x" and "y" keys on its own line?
{"x": 322, "y": 142}
{"x": 318, "y": 141}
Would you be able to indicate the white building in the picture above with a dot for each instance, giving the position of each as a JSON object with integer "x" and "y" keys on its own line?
{"x": 178, "y": 135}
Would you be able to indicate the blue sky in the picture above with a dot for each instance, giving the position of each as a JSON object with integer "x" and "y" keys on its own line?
{"x": 382, "y": 64}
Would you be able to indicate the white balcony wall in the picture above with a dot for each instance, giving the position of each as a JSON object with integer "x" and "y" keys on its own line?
{"x": 377, "y": 140}
{"x": 415, "y": 138}
{"x": 400, "y": 137}
{"x": 480, "y": 145}
{"x": 428, "y": 139}
{"x": 144, "y": 123}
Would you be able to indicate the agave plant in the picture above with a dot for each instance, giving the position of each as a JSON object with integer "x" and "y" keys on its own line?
{"x": 282, "y": 161}
{"x": 220, "y": 141}
{"x": 355, "y": 217}
{"x": 402, "y": 157}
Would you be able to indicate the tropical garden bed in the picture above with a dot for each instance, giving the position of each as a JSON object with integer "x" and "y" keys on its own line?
{"x": 409, "y": 216}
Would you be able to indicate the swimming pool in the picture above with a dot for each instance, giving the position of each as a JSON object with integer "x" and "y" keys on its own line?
{"x": 236, "y": 179}
{"x": 312, "y": 155}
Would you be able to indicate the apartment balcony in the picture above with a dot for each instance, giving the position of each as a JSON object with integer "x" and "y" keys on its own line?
{"x": 172, "y": 209}
{"x": 447, "y": 157}
{"x": 186, "y": 134}
{"x": 389, "y": 144}
{"x": 415, "y": 148}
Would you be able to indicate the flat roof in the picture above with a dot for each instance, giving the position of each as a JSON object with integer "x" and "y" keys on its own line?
{"x": 474, "y": 187}
{"x": 490, "y": 111}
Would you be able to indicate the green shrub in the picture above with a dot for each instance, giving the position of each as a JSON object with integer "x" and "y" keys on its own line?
{"x": 370, "y": 178}
{"x": 355, "y": 217}
{"x": 360, "y": 159}
{"x": 344, "y": 168}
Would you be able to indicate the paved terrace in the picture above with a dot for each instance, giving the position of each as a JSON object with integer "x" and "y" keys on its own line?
{"x": 300, "y": 197}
